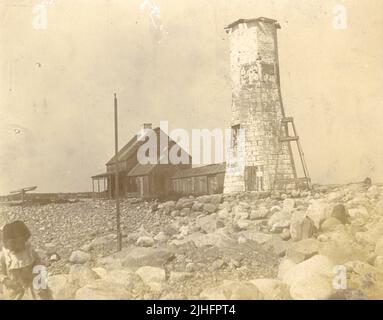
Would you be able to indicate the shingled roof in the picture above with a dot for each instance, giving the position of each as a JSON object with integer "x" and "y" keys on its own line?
{"x": 141, "y": 170}
{"x": 102, "y": 175}
{"x": 131, "y": 147}
{"x": 210, "y": 169}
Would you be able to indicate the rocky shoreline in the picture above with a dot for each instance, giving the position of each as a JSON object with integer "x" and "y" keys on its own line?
{"x": 321, "y": 244}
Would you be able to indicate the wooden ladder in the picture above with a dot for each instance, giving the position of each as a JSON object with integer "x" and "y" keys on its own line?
{"x": 283, "y": 137}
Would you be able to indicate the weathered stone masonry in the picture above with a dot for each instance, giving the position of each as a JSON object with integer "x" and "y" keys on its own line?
{"x": 256, "y": 108}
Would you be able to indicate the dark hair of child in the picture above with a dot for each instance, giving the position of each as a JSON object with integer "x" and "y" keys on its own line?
{"x": 15, "y": 230}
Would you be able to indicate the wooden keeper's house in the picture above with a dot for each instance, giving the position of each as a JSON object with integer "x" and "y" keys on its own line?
{"x": 136, "y": 179}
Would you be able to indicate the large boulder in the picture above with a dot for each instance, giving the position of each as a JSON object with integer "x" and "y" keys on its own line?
{"x": 311, "y": 279}
{"x": 100, "y": 271}
{"x": 239, "y": 212}
{"x": 278, "y": 245}
{"x": 167, "y": 207}
{"x": 197, "y": 206}
{"x": 215, "y": 239}
{"x": 341, "y": 247}
{"x": 175, "y": 213}
{"x": 170, "y": 229}
{"x": 284, "y": 266}
{"x": 210, "y": 207}
{"x": 285, "y": 235}
{"x": 214, "y": 199}
{"x": 61, "y": 287}
{"x": 242, "y": 224}
{"x": 223, "y": 214}
{"x": 379, "y": 247}
{"x": 372, "y": 234}
{"x": 136, "y": 257}
{"x": 145, "y": 241}
{"x": 340, "y": 212}
{"x": 317, "y": 212}
{"x": 179, "y": 276}
{"x": 301, "y": 227}
{"x": 279, "y": 221}
{"x": 330, "y": 224}
{"x": 184, "y": 203}
{"x": 141, "y": 232}
{"x": 170, "y": 204}
{"x": 103, "y": 290}
{"x": 161, "y": 237}
{"x": 158, "y": 287}
{"x": 79, "y": 257}
{"x": 151, "y": 274}
{"x": 272, "y": 289}
{"x": 303, "y": 250}
{"x": 378, "y": 263}
{"x": 128, "y": 279}
{"x": 232, "y": 290}
{"x": 183, "y": 232}
{"x": 288, "y": 205}
{"x": 373, "y": 192}
{"x": 360, "y": 213}
{"x": 81, "y": 274}
{"x": 367, "y": 181}
{"x": 185, "y": 212}
{"x": 257, "y": 237}
{"x": 260, "y": 213}
{"x": 335, "y": 195}
{"x": 109, "y": 263}
{"x": 369, "y": 279}
{"x": 209, "y": 223}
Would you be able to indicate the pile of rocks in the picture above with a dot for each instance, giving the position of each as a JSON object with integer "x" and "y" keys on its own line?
{"x": 322, "y": 244}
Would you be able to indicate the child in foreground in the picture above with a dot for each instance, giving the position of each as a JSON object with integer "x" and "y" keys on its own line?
{"x": 21, "y": 269}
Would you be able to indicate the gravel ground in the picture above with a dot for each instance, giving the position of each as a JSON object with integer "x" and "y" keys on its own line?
{"x": 69, "y": 226}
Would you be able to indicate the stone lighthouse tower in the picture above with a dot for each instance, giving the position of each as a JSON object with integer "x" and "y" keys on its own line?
{"x": 260, "y": 157}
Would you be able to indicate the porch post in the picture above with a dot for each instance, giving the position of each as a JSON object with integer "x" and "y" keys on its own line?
{"x": 110, "y": 186}
{"x": 93, "y": 189}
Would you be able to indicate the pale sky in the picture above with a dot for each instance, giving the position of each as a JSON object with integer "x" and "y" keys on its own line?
{"x": 57, "y": 84}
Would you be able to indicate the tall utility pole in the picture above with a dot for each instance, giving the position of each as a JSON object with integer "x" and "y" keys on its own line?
{"x": 117, "y": 185}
